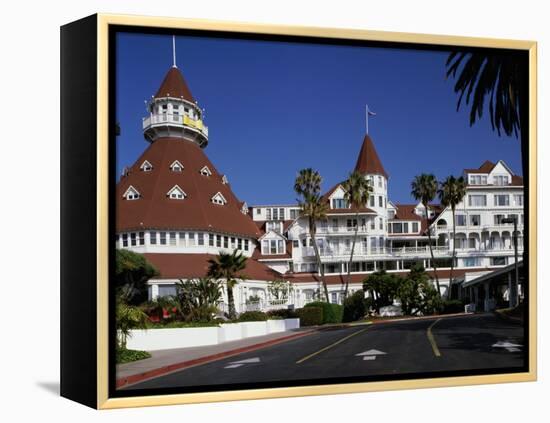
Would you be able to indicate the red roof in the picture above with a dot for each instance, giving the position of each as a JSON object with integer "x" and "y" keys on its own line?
{"x": 154, "y": 210}
{"x": 174, "y": 85}
{"x": 368, "y": 160}
{"x": 406, "y": 212}
{"x": 176, "y": 266}
{"x": 486, "y": 167}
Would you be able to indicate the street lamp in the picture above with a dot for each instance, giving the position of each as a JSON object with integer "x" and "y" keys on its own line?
{"x": 513, "y": 290}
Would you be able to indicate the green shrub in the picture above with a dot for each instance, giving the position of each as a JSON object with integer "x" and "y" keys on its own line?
{"x": 126, "y": 356}
{"x": 332, "y": 313}
{"x": 310, "y": 316}
{"x": 282, "y": 313}
{"x": 253, "y": 316}
{"x": 354, "y": 307}
{"x": 452, "y": 306}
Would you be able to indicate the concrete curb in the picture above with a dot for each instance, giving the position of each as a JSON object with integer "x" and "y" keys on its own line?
{"x": 150, "y": 374}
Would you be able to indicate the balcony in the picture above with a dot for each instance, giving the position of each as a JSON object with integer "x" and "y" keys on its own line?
{"x": 175, "y": 119}
{"x": 342, "y": 230}
{"x": 360, "y": 250}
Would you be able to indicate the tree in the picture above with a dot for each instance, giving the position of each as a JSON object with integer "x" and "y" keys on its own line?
{"x": 417, "y": 294}
{"x": 424, "y": 189}
{"x": 382, "y": 288}
{"x": 132, "y": 271}
{"x": 228, "y": 267}
{"x": 503, "y": 80}
{"x": 357, "y": 191}
{"x": 308, "y": 187}
{"x": 451, "y": 192}
{"x": 198, "y": 299}
{"x": 128, "y": 317}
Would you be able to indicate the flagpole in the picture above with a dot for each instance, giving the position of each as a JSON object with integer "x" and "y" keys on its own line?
{"x": 367, "y": 117}
{"x": 174, "y": 50}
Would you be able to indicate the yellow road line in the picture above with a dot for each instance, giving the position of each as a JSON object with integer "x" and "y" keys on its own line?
{"x": 307, "y": 357}
{"x": 432, "y": 339}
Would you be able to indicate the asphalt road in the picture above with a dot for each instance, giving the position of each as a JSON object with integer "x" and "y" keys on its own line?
{"x": 398, "y": 348}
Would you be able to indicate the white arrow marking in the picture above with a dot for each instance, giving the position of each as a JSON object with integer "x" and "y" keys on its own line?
{"x": 372, "y": 353}
{"x": 508, "y": 346}
{"x": 235, "y": 364}
{"x": 369, "y": 357}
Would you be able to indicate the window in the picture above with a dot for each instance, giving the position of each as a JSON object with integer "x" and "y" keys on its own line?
{"x": 379, "y": 182}
{"x": 176, "y": 193}
{"x": 472, "y": 243}
{"x": 141, "y": 239}
{"x": 210, "y": 240}
{"x": 246, "y": 244}
{"x": 176, "y": 166}
{"x": 233, "y": 242}
{"x": 282, "y": 214}
{"x": 294, "y": 213}
{"x": 218, "y": 240}
{"x": 477, "y": 200}
{"x": 295, "y": 244}
{"x": 200, "y": 238}
{"x": 475, "y": 220}
{"x": 273, "y": 226}
{"x": 405, "y": 227}
{"x": 258, "y": 211}
{"x": 371, "y": 201}
{"x": 478, "y": 179}
{"x": 192, "y": 241}
{"x": 225, "y": 242}
{"x": 471, "y": 262}
{"x": 460, "y": 220}
{"x": 380, "y": 201}
{"x": 133, "y": 241}
{"x": 339, "y": 203}
{"x": 333, "y": 297}
{"x": 268, "y": 214}
{"x": 351, "y": 223}
{"x": 205, "y": 171}
{"x": 172, "y": 238}
{"x": 131, "y": 193}
{"x": 513, "y": 216}
{"x": 414, "y": 227}
{"x": 146, "y": 166}
{"x": 275, "y": 213}
{"x": 498, "y": 219}
{"x": 397, "y": 228}
{"x": 239, "y": 244}
{"x": 498, "y": 261}
{"x": 518, "y": 199}
{"x": 219, "y": 199}
{"x": 162, "y": 238}
{"x": 124, "y": 240}
{"x": 373, "y": 223}
{"x": 224, "y": 180}
{"x": 153, "y": 238}
{"x": 500, "y": 179}
{"x": 502, "y": 200}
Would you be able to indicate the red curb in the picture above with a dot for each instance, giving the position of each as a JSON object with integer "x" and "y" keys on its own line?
{"x": 132, "y": 379}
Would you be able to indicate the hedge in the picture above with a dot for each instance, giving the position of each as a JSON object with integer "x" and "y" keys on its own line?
{"x": 283, "y": 313}
{"x": 310, "y": 316}
{"x": 332, "y": 313}
{"x": 452, "y": 307}
{"x": 355, "y": 307}
{"x": 253, "y": 316}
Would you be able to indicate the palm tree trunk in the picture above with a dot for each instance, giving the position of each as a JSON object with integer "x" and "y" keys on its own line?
{"x": 431, "y": 249}
{"x": 231, "y": 303}
{"x": 318, "y": 257}
{"x": 351, "y": 255}
{"x": 453, "y": 255}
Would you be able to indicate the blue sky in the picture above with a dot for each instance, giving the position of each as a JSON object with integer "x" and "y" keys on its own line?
{"x": 273, "y": 108}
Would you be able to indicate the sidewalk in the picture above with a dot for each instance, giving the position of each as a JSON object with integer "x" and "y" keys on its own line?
{"x": 166, "y": 361}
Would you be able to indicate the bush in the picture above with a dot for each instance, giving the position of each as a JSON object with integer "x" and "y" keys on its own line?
{"x": 332, "y": 313}
{"x": 452, "y": 306}
{"x": 253, "y": 316}
{"x": 354, "y": 307}
{"x": 310, "y": 316}
{"x": 127, "y": 356}
{"x": 282, "y": 313}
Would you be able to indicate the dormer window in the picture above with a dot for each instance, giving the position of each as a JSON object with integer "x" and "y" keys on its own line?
{"x": 176, "y": 166}
{"x": 205, "y": 171}
{"x": 219, "y": 199}
{"x": 146, "y": 166}
{"x": 478, "y": 179}
{"x": 500, "y": 180}
{"x": 244, "y": 208}
{"x": 339, "y": 203}
{"x": 176, "y": 193}
{"x": 131, "y": 193}
{"x": 224, "y": 180}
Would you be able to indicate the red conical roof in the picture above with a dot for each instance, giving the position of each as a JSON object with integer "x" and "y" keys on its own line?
{"x": 155, "y": 210}
{"x": 368, "y": 160}
{"x": 174, "y": 85}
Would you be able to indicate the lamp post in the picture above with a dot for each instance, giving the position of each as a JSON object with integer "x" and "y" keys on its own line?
{"x": 514, "y": 289}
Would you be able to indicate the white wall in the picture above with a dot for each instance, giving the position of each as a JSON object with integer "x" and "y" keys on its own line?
{"x": 31, "y": 35}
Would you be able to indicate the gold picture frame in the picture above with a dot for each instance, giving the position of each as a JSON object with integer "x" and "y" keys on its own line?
{"x": 102, "y": 23}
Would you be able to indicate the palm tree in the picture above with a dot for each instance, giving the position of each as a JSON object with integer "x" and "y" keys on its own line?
{"x": 357, "y": 191}
{"x": 308, "y": 186}
{"x": 451, "y": 192}
{"x": 128, "y": 317}
{"x": 424, "y": 189}
{"x": 227, "y": 266}
{"x": 503, "y": 80}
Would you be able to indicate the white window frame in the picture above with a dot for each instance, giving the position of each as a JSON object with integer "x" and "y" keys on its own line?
{"x": 131, "y": 194}
{"x": 176, "y": 166}
{"x": 218, "y": 199}
{"x": 205, "y": 171}
{"x": 146, "y": 166}
{"x": 173, "y": 194}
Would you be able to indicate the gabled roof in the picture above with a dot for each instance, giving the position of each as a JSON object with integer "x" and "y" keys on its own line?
{"x": 155, "y": 210}
{"x": 176, "y": 266}
{"x": 486, "y": 167}
{"x": 174, "y": 85}
{"x": 368, "y": 160}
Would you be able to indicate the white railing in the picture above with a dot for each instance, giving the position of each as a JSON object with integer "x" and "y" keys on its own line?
{"x": 342, "y": 229}
{"x": 265, "y": 305}
{"x": 159, "y": 119}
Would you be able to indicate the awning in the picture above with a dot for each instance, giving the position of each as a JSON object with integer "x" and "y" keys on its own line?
{"x": 488, "y": 277}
